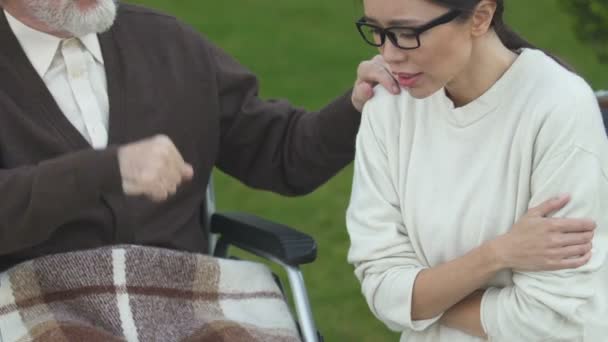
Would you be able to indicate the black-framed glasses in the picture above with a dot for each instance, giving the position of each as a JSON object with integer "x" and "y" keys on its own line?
{"x": 406, "y": 38}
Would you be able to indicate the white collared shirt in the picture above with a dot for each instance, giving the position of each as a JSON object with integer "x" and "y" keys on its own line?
{"x": 73, "y": 71}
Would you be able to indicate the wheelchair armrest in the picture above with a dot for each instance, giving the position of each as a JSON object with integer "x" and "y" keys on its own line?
{"x": 254, "y": 234}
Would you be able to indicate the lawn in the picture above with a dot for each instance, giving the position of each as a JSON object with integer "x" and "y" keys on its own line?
{"x": 308, "y": 51}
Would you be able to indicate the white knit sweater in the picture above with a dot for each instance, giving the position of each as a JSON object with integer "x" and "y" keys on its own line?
{"x": 432, "y": 182}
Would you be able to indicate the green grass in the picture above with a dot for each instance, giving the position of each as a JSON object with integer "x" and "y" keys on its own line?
{"x": 308, "y": 51}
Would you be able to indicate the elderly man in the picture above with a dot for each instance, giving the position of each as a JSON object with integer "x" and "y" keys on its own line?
{"x": 110, "y": 138}
{"x": 111, "y": 120}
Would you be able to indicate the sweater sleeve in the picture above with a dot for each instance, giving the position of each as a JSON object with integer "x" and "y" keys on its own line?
{"x": 272, "y": 145}
{"x": 40, "y": 198}
{"x": 571, "y": 156}
{"x": 381, "y": 251}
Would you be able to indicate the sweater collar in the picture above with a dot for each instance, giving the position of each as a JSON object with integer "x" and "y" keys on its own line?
{"x": 492, "y": 98}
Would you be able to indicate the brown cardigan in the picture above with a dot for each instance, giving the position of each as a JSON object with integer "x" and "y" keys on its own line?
{"x": 59, "y": 195}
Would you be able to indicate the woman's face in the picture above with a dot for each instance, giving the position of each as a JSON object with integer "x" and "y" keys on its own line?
{"x": 444, "y": 51}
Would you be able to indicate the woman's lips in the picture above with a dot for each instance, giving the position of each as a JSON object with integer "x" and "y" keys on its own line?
{"x": 408, "y": 80}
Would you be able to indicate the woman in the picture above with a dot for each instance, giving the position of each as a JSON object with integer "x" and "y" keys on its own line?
{"x": 458, "y": 229}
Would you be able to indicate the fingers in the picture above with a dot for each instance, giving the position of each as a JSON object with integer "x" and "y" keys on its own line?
{"x": 369, "y": 74}
{"x": 153, "y": 167}
{"x": 174, "y": 176}
{"x": 388, "y": 82}
{"x": 577, "y": 251}
{"x": 131, "y": 188}
{"x": 362, "y": 92}
{"x": 171, "y": 180}
{"x": 567, "y": 225}
{"x": 165, "y": 188}
{"x": 169, "y": 186}
{"x": 549, "y": 206}
{"x": 380, "y": 60}
{"x": 387, "y": 79}
{"x": 576, "y": 239}
{"x": 571, "y": 239}
{"x": 184, "y": 170}
{"x": 575, "y": 262}
{"x": 187, "y": 171}
{"x": 177, "y": 169}
{"x": 158, "y": 196}
{"x": 376, "y": 71}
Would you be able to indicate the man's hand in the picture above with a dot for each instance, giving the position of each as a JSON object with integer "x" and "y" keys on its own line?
{"x": 369, "y": 74}
{"x": 153, "y": 168}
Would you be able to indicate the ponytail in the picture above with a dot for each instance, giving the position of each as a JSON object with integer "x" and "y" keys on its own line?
{"x": 507, "y": 36}
{"x": 514, "y": 41}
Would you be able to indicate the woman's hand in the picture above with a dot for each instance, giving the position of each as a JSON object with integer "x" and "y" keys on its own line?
{"x": 540, "y": 243}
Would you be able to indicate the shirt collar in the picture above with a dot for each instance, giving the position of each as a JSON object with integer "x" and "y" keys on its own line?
{"x": 41, "y": 47}
{"x": 91, "y": 42}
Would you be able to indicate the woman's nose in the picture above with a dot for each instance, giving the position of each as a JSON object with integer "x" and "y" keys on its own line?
{"x": 393, "y": 54}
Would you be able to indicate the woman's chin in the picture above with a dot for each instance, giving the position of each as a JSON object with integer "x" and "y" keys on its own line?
{"x": 419, "y": 92}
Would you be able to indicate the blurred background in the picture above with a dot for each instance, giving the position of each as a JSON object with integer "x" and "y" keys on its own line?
{"x": 308, "y": 51}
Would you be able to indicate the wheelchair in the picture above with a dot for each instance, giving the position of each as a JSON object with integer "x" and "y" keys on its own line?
{"x": 269, "y": 240}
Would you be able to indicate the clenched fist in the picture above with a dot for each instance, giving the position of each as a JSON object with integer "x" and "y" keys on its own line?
{"x": 153, "y": 168}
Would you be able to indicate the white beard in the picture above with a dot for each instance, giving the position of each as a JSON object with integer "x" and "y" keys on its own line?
{"x": 66, "y": 16}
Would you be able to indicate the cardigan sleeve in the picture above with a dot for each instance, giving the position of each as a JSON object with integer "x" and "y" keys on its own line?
{"x": 381, "y": 251}
{"x": 571, "y": 156}
{"x": 38, "y": 199}
{"x": 272, "y": 145}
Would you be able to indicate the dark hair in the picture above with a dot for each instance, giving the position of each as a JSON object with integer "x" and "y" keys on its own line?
{"x": 509, "y": 38}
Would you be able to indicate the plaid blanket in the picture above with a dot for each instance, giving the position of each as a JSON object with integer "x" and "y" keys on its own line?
{"x": 129, "y": 293}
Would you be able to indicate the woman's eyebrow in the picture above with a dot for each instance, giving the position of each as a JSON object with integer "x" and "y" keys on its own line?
{"x": 393, "y": 22}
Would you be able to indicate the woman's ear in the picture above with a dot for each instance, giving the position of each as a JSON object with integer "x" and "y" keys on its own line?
{"x": 482, "y": 17}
